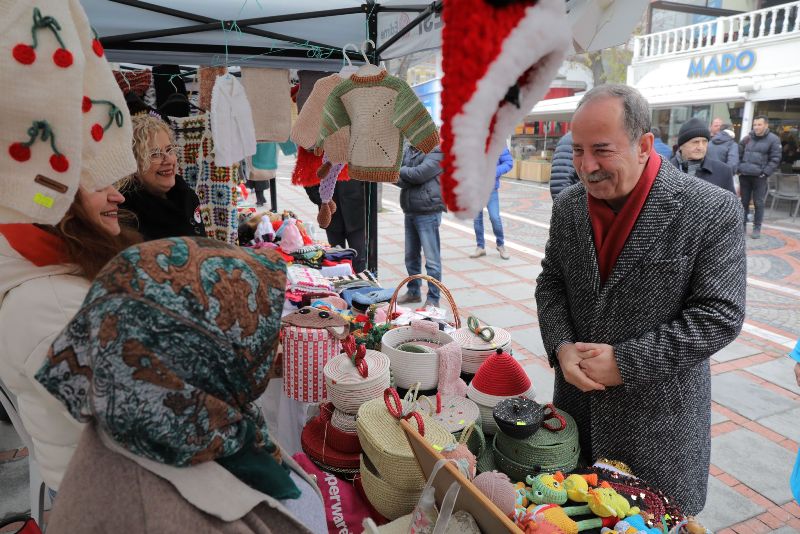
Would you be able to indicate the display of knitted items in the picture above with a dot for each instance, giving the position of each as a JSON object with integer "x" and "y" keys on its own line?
{"x": 380, "y": 111}
{"x": 188, "y": 133}
{"x": 231, "y": 122}
{"x": 309, "y": 259}
{"x": 450, "y": 382}
{"x": 208, "y": 77}
{"x": 218, "y": 191}
{"x": 495, "y": 71}
{"x": 305, "y": 279}
{"x": 309, "y": 121}
{"x": 134, "y": 81}
{"x": 557, "y": 516}
{"x": 268, "y": 92}
{"x": 364, "y": 278}
{"x": 65, "y": 122}
{"x": 291, "y": 240}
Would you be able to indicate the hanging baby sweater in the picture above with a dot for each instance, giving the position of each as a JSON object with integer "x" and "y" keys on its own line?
{"x": 380, "y": 110}
{"x": 306, "y": 128}
{"x": 231, "y": 122}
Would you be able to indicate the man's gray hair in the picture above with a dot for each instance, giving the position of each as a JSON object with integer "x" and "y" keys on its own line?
{"x": 636, "y": 110}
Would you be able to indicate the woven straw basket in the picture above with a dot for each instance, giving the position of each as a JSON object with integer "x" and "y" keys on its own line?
{"x": 389, "y": 500}
{"x": 408, "y": 368}
{"x": 384, "y": 442}
{"x": 347, "y": 389}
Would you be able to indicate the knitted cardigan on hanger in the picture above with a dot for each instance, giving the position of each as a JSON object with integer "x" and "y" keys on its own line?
{"x": 306, "y": 128}
{"x": 380, "y": 110}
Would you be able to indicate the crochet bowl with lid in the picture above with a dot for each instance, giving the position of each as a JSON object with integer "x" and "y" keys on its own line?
{"x": 474, "y": 350}
{"x": 317, "y": 444}
{"x": 518, "y": 417}
{"x": 347, "y": 388}
{"x": 498, "y": 378}
{"x": 451, "y": 411}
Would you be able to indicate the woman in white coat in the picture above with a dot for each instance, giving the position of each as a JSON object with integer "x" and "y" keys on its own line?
{"x": 45, "y": 273}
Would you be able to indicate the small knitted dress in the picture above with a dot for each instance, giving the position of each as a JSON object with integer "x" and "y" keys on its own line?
{"x": 380, "y": 110}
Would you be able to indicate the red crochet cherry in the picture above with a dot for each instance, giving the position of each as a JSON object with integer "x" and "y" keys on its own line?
{"x": 19, "y": 152}
{"x": 87, "y": 104}
{"x": 98, "y": 48}
{"x": 62, "y": 57}
{"x": 59, "y": 162}
{"x": 25, "y": 54}
{"x": 97, "y": 132}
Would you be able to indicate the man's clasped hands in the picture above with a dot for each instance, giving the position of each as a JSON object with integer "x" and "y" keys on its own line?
{"x": 589, "y": 366}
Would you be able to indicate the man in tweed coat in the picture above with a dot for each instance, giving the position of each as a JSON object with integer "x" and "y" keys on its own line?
{"x": 642, "y": 281}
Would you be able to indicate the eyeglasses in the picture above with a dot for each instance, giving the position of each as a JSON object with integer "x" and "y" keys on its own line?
{"x": 161, "y": 155}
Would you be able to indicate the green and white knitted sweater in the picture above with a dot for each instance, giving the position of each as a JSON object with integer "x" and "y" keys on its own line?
{"x": 380, "y": 111}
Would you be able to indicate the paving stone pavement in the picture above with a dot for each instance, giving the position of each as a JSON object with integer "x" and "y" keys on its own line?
{"x": 752, "y": 449}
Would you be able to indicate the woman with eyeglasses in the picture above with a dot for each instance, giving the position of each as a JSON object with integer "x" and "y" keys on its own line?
{"x": 162, "y": 201}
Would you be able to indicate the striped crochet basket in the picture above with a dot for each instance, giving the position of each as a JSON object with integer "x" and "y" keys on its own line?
{"x": 348, "y": 389}
{"x": 306, "y": 351}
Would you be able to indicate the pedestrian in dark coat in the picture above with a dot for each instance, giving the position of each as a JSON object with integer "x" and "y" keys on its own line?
{"x": 692, "y": 156}
{"x": 723, "y": 147}
{"x": 348, "y": 226}
{"x": 761, "y": 155}
{"x": 630, "y": 315}
{"x": 562, "y": 172}
{"x": 421, "y": 201}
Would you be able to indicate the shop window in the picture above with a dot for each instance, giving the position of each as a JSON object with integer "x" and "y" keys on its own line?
{"x": 784, "y": 120}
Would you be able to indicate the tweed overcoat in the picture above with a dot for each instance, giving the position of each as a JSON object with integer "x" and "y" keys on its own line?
{"x": 675, "y": 296}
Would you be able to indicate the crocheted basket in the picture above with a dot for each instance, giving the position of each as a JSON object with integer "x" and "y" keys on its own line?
{"x": 518, "y": 417}
{"x": 408, "y": 368}
{"x": 389, "y": 500}
{"x": 306, "y": 351}
{"x": 474, "y": 350}
{"x": 347, "y": 388}
{"x": 554, "y": 447}
{"x": 316, "y": 443}
{"x": 385, "y": 442}
{"x": 452, "y": 412}
{"x": 473, "y": 437}
{"x": 341, "y": 440}
{"x": 499, "y": 377}
{"x": 346, "y": 422}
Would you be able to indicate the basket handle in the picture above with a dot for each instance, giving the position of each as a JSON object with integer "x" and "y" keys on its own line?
{"x": 446, "y": 292}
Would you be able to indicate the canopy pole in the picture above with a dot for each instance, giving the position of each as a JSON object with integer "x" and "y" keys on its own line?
{"x": 371, "y": 188}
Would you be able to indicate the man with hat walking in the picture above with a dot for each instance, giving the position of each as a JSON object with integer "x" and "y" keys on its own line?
{"x": 691, "y": 156}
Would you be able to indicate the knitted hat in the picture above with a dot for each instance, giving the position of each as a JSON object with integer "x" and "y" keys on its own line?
{"x": 65, "y": 122}
{"x": 501, "y": 376}
{"x": 692, "y": 128}
{"x": 512, "y": 52}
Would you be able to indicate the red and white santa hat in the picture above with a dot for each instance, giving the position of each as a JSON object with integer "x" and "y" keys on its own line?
{"x": 499, "y": 57}
{"x": 65, "y": 122}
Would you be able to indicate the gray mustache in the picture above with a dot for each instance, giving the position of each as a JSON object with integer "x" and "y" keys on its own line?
{"x": 597, "y": 176}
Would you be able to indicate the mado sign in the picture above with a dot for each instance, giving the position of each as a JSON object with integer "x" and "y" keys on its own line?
{"x": 722, "y": 63}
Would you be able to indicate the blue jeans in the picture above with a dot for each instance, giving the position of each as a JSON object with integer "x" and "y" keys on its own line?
{"x": 422, "y": 235}
{"x": 494, "y": 217}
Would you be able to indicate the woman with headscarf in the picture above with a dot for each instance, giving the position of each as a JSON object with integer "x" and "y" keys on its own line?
{"x": 165, "y": 359}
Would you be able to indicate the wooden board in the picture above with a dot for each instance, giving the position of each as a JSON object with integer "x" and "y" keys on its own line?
{"x": 470, "y": 499}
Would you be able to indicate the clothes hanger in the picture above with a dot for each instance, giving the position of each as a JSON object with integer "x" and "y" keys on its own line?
{"x": 348, "y": 69}
{"x": 368, "y": 69}
{"x": 180, "y": 98}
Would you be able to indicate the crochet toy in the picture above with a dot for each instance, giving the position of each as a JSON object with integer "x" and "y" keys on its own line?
{"x": 577, "y": 486}
{"x": 450, "y": 382}
{"x": 529, "y": 524}
{"x": 552, "y": 513}
{"x": 547, "y": 489}
{"x": 497, "y": 487}
{"x": 512, "y": 52}
{"x": 522, "y": 496}
{"x": 606, "y": 502}
{"x": 634, "y": 524}
{"x": 291, "y": 240}
{"x": 689, "y": 526}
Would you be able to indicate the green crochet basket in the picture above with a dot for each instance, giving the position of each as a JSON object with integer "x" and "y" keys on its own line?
{"x": 551, "y": 448}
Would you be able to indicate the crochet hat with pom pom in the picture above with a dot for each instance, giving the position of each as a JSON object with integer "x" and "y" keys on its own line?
{"x": 65, "y": 122}
{"x": 499, "y": 57}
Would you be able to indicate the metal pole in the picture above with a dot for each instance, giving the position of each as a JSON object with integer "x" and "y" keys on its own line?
{"x": 371, "y": 188}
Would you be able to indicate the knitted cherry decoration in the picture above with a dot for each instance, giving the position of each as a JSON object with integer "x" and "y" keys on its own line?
{"x": 87, "y": 104}
{"x": 19, "y": 152}
{"x": 23, "y": 53}
{"x": 59, "y": 162}
{"x": 62, "y": 57}
{"x": 97, "y": 48}
{"x": 97, "y": 132}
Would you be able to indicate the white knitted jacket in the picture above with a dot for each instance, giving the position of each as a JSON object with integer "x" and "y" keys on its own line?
{"x": 231, "y": 122}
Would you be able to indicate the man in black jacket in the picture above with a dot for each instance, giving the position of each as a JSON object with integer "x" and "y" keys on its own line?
{"x": 691, "y": 156}
{"x": 562, "y": 173}
{"x": 422, "y": 204}
{"x": 761, "y": 155}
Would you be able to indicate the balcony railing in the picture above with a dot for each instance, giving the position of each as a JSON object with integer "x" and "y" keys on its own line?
{"x": 747, "y": 27}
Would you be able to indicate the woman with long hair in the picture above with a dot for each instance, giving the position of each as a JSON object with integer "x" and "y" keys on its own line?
{"x": 45, "y": 273}
{"x": 163, "y": 203}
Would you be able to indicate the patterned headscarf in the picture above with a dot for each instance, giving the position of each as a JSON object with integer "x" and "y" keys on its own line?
{"x": 171, "y": 347}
